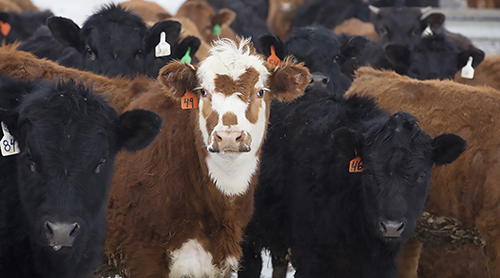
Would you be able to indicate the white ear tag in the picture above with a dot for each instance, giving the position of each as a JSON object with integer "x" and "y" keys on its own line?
{"x": 162, "y": 48}
{"x": 427, "y": 32}
{"x": 468, "y": 70}
{"x": 9, "y": 143}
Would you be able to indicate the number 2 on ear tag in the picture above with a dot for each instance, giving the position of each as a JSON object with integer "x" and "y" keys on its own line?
{"x": 9, "y": 143}
{"x": 273, "y": 59}
{"x": 189, "y": 100}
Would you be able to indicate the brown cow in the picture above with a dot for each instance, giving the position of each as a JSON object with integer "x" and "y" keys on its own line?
{"x": 190, "y": 29}
{"x": 17, "y": 6}
{"x": 178, "y": 208}
{"x": 148, "y": 10}
{"x": 205, "y": 18}
{"x": 466, "y": 192}
{"x": 280, "y": 16}
{"x": 356, "y": 27}
{"x": 483, "y": 4}
{"x": 487, "y": 73}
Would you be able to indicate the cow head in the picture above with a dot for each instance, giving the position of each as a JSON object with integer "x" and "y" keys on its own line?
{"x": 234, "y": 86}
{"x": 395, "y": 181}
{"x": 68, "y": 138}
{"x": 321, "y": 52}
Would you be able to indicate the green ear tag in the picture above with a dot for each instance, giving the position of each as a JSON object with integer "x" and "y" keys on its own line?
{"x": 216, "y": 30}
{"x": 187, "y": 58}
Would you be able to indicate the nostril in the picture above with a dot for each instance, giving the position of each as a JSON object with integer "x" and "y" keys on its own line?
{"x": 217, "y": 138}
{"x": 48, "y": 230}
{"x": 401, "y": 228}
{"x": 326, "y": 80}
{"x": 75, "y": 229}
{"x": 240, "y": 138}
{"x": 382, "y": 227}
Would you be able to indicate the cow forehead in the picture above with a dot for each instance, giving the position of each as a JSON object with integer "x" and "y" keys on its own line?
{"x": 233, "y": 62}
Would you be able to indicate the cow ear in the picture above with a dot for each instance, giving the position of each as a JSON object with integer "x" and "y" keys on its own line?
{"x": 224, "y": 17}
{"x": 171, "y": 28}
{"x": 398, "y": 55}
{"x": 447, "y": 148}
{"x": 66, "y": 32}
{"x": 476, "y": 54}
{"x": 5, "y": 17}
{"x": 177, "y": 77}
{"x": 265, "y": 42}
{"x": 354, "y": 46}
{"x": 138, "y": 128}
{"x": 190, "y": 43}
{"x": 289, "y": 80}
{"x": 435, "y": 21}
{"x": 347, "y": 141}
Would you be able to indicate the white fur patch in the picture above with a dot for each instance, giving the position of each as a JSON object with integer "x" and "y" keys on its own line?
{"x": 232, "y": 173}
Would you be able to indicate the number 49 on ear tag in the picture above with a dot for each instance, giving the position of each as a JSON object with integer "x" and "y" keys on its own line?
{"x": 9, "y": 143}
{"x": 189, "y": 100}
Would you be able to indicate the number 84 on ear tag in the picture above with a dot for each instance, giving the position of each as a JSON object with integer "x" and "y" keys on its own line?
{"x": 189, "y": 100}
{"x": 9, "y": 143}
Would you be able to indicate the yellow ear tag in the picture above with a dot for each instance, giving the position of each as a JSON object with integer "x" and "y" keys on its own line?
{"x": 9, "y": 143}
{"x": 162, "y": 48}
{"x": 273, "y": 59}
{"x": 216, "y": 30}
{"x": 187, "y": 58}
{"x": 356, "y": 165}
{"x": 189, "y": 100}
{"x": 468, "y": 70}
{"x": 5, "y": 28}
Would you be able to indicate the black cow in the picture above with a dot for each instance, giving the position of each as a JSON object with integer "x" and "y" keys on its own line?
{"x": 113, "y": 41}
{"x": 435, "y": 57}
{"x": 339, "y": 223}
{"x": 321, "y": 51}
{"x": 53, "y": 193}
{"x": 20, "y": 26}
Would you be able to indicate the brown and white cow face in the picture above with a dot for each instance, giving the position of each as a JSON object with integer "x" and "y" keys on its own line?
{"x": 234, "y": 86}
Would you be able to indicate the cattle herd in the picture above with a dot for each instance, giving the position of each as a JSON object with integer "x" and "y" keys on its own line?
{"x": 349, "y": 138}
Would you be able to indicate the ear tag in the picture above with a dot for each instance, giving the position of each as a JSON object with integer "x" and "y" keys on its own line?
{"x": 356, "y": 165}
{"x": 273, "y": 59}
{"x": 189, "y": 100}
{"x": 5, "y": 28}
{"x": 187, "y": 58}
{"x": 468, "y": 70}
{"x": 162, "y": 48}
{"x": 427, "y": 32}
{"x": 216, "y": 30}
{"x": 9, "y": 143}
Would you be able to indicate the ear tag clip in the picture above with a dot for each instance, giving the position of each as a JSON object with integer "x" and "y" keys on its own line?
{"x": 427, "y": 32}
{"x": 187, "y": 58}
{"x": 356, "y": 165}
{"x": 9, "y": 143}
{"x": 162, "y": 48}
{"x": 216, "y": 30}
{"x": 468, "y": 70}
{"x": 189, "y": 100}
{"x": 273, "y": 59}
{"x": 5, "y": 28}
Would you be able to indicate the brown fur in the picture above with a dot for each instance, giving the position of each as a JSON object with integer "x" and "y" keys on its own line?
{"x": 190, "y": 29}
{"x": 148, "y": 10}
{"x": 204, "y": 17}
{"x": 486, "y": 74}
{"x": 120, "y": 91}
{"x": 483, "y": 4}
{"x": 466, "y": 190}
{"x": 17, "y": 6}
{"x": 279, "y": 20}
{"x": 356, "y": 27}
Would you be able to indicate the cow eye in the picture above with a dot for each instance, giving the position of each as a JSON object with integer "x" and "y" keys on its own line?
{"x": 89, "y": 51}
{"x": 139, "y": 52}
{"x": 203, "y": 92}
{"x": 100, "y": 165}
{"x": 422, "y": 176}
{"x": 383, "y": 31}
{"x": 260, "y": 93}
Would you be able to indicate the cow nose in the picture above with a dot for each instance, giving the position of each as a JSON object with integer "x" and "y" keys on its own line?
{"x": 229, "y": 137}
{"x": 61, "y": 234}
{"x": 319, "y": 80}
{"x": 391, "y": 228}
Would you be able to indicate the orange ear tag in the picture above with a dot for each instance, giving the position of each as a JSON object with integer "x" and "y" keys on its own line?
{"x": 273, "y": 59}
{"x": 189, "y": 100}
{"x": 356, "y": 165}
{"x": 5, "y": 28}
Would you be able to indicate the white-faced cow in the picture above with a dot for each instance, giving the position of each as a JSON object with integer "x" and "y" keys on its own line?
{"x": 178, "y": 209}
{"x": 342, "y": 184}
{"x": 53, "y": 192}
